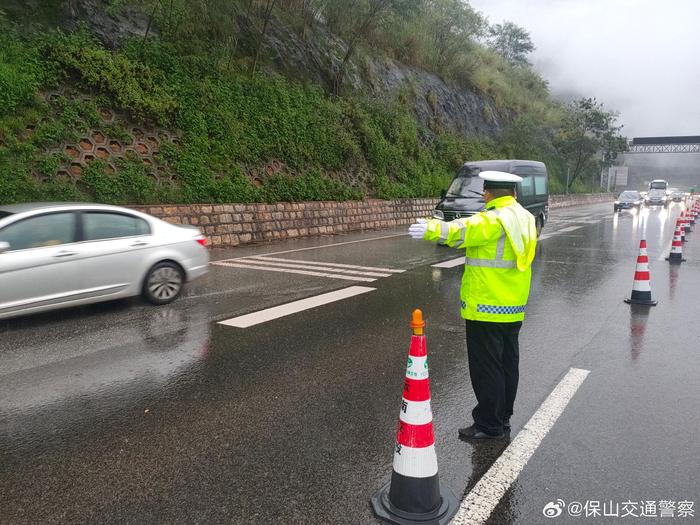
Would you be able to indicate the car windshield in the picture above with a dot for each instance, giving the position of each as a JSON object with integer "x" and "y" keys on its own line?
{"x": 629, "y": 195}
{"x": 658, "y": 186}
{"x": 467, "y": 184}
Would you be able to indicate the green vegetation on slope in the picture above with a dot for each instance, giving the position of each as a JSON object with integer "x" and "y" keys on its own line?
{"x": 201, "y": 79}
{"x": 331, "y": 148}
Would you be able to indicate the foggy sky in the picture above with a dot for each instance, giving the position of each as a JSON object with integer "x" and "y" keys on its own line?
{"x": 639, "y": 57}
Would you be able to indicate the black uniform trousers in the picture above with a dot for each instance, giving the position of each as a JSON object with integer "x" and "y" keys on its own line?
{"x": 493, "y": 368}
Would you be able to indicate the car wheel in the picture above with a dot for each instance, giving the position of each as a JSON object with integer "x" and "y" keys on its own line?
{"x": 163, "y": 283}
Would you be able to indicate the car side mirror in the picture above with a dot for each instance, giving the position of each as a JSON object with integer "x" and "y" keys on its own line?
{"x": 4, "y": 246}
{"x": 443, "y": 194}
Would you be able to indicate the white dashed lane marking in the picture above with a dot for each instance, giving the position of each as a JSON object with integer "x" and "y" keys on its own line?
{"x": 334, "y": 265}
{"x": 349, "y": 272}
{"x": 245, "y": 321}
{"x": 478, "y": 505}
{"x": 459, "y": 261}
{"x": 293, "y": 270}
{"x": 568, "y": 229}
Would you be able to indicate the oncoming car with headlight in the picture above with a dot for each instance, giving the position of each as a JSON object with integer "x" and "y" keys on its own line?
{"x": 628, "y": 199}
{"x": 58, "y": 255}
{"x": 677, "y": 195}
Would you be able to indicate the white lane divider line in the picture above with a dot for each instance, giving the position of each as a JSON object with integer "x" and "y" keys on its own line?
{"x": 309, "y": 266}
{"x": 478, "y": 505}
{"x": 459, "y": 261}
{"x": 244, "y": 321}
{"x": 335, "y": 244}
{"x": 568, "y": 229}
{"x": 322, "y": 263}
{"x": 292, "y": 270}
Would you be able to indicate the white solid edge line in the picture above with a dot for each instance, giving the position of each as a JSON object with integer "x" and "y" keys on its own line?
{"x": 478, "y": 505}
{"x": 300, "y": 272}
{"x": 244, "y": 321}
{"x": 570, "y": 228}
{"x": 313, "y": 267}
{"x": 450, "y": 264}
{"x": 321, "y": 263}
{"x": 333, "y": 245}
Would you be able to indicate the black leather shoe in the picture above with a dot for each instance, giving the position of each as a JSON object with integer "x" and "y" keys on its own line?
{"x": 467, "y": 432}
{"x": 474, "y": 433}
{"x": 483, "y": 436}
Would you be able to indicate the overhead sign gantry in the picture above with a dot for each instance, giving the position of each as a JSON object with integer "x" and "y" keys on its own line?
{"x": 664, "y": 145}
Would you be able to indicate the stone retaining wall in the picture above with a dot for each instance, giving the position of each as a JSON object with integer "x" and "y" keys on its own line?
{"x": 575, "y": 199}
{"x": 234, "y": 224}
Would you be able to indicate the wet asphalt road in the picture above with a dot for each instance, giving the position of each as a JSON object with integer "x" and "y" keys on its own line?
{"x": 125, "y": 413}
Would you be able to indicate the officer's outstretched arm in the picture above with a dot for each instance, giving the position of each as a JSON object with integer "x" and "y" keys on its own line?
{"x": 477, "y": 230}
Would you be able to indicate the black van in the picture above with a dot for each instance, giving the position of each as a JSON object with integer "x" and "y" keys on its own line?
{"x": 463, "y": 197}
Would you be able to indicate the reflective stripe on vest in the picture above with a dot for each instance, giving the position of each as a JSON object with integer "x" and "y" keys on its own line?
{"x": 445, "y": 231}
{"x": 498, "y": 262}
{"x": 495, "y": 309}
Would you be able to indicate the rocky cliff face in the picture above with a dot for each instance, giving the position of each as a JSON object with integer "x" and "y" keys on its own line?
{"x": 313, "y": 58}
{"x": 436, "y": 104}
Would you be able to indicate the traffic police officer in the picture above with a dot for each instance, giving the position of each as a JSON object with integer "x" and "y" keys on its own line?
{"x": 500, "y": 245}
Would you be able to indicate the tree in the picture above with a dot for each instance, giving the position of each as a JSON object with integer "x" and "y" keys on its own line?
{"x": 453, "y": 25}
{"x": 512, "y": 42}
{"x": 363, "y": 17}
{"x": 263, "y": 9}
{"x": 588, "y": 130}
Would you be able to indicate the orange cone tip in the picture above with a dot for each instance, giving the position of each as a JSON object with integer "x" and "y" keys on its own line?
{"x": 417, "y": 322}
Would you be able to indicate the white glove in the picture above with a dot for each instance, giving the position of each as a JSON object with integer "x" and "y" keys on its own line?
{"x": 417, "y": 230}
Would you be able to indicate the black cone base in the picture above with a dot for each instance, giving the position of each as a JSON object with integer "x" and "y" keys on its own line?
{"x": 441, "y": 515}
{"x": 675, "y": 260}
{"x": 641, "y": 301}
{"x": 641, "y": 298}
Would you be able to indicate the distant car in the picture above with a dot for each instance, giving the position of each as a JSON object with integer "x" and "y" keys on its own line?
{"x": 677, "y": 196}
{"x": 58, "y": 255}
{"x": 628, "y": 199}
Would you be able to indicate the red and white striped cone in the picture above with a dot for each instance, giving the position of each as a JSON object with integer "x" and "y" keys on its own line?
{"x": 685, "y": 219}
{"x": 413, "y": 495}
{"x": 641, "y": 287}
{"x": 680, "y": 226}
{"x": 676, "y": 255}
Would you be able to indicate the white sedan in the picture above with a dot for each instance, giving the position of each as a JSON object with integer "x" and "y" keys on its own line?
{"x": 58, "y": 255}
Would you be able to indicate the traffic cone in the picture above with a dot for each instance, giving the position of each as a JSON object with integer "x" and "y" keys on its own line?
{"x": 641, "y": 287}
{"x": 676, "y": 255}
{"x": 679, "y": 225}
{"x": 685, "y": 219}
{"x": 414, "y": 495}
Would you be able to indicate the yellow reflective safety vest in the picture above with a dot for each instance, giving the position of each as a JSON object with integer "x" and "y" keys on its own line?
{"x": 500, "y": 244}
